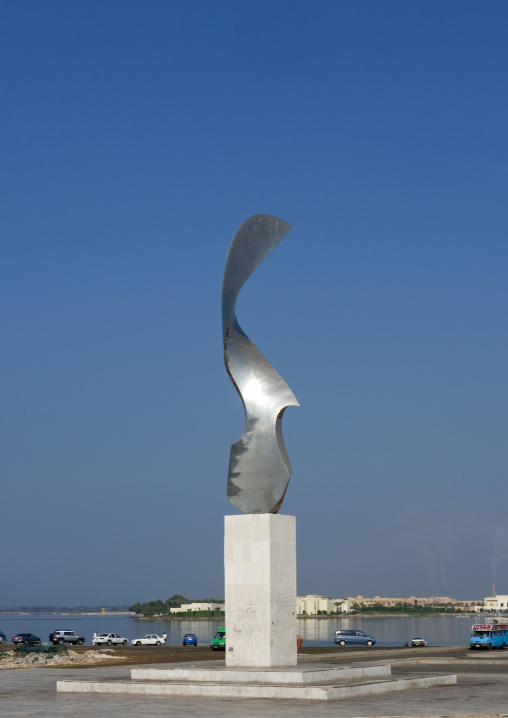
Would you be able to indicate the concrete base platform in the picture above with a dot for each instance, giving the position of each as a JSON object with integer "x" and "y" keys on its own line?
{"x": 296, "y": 674}
{"x": 301, "y": 683}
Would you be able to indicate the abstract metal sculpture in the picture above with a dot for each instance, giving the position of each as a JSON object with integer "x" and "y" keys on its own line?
{"x": 259, "y": 468}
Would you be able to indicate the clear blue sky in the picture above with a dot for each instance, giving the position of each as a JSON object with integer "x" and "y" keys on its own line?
{"x": 135, "y": 138}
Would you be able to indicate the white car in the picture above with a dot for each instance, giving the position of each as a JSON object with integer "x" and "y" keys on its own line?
{"x": 151, "y": 639}
{"x": 418, "y": 642}
{"x": 109, "y": 639}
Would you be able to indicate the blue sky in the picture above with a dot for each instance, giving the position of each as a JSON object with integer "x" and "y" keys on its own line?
{"x": 135, "y": 138}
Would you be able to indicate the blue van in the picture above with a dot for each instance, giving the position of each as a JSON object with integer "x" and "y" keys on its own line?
{"x": 489, "y": 636}
{"x": 353, "y": 638}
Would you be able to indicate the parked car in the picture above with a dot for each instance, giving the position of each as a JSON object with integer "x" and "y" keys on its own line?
{"x": 27, "y": 638}
{"x": 60, "y": 637}
{"x": 218, "y": 642}
{"x": 492, "y": 635}
{"x": 353, "y": 638}
{"x": 53, "y": 634}
{"x": 190, "y": 639}
{"x": 151, "y": 639}
{"x": 109, "y": 639}
{"x": 3, "y": 637}
{"x": 419, "y": 641}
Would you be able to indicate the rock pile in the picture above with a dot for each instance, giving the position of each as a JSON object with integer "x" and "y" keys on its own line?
{"x": 11, "y": 659}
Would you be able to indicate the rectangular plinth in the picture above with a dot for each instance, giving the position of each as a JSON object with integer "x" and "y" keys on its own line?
{"x": 326, "y": 691}
{"x": 260, "y": 591}
{"x": 297, "y": 675}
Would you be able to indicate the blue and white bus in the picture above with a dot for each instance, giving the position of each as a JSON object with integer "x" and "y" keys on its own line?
{"x": 492, "y": 635}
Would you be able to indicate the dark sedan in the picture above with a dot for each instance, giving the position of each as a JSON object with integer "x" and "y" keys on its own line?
{"x": 27, "y": 638}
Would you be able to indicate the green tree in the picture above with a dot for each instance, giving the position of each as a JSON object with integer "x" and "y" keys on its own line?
{"x": 176, "y": 601}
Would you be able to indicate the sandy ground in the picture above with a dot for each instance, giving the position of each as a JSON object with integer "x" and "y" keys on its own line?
{"x": 143, "y": 655}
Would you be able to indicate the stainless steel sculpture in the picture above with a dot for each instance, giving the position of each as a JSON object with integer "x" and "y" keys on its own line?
{"x": 259, "y": 468}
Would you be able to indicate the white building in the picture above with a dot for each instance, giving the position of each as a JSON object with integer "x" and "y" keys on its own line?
{"x": 496, "y": 603}
{"x": 185, "y": 607}
{"x": 314, "y": 604}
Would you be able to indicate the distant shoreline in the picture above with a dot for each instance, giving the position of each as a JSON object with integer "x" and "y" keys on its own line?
{"x": 66, "y": 613}
{"x": 326, "y": 617}
{"x": 189, "y": 616}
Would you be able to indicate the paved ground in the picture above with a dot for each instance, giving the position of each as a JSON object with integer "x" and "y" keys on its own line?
{"x": 31, "y": 692}
{"x": 135, "y": 655}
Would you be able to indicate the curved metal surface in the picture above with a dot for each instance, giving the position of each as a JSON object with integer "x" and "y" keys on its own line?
{"x": 259, "y": 468}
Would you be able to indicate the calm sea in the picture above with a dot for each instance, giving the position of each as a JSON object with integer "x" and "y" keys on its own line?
{"x": 437, "y": 630}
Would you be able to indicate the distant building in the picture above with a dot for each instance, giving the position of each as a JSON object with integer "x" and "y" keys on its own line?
{"x": 414, "y": 601}
{"x": 195, "y": 606}
{"x": 314, "y": 604}
{"x": 496, "y": 603}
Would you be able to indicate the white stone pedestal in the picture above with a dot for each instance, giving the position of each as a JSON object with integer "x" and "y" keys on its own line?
{"x": 260, "y": 568}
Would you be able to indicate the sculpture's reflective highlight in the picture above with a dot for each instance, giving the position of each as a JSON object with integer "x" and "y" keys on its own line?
{"x": 259, "y": 468}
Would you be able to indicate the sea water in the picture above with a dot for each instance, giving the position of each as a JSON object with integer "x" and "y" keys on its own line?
{"x": 392, "y": 631}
